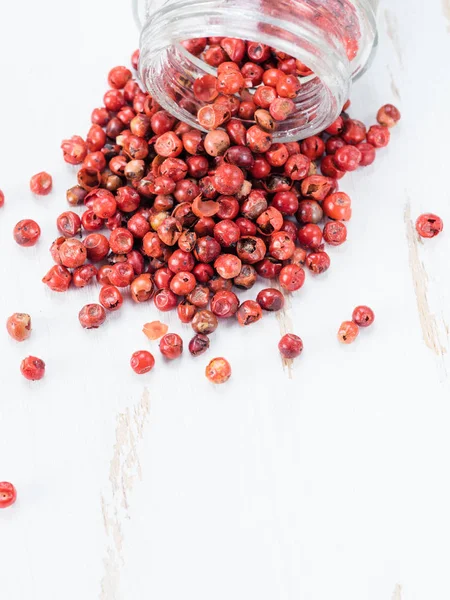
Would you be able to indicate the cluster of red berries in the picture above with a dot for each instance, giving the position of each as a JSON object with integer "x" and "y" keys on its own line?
{"x": 18, "y": 326}
{"x": 362, "y": 316}
{"x": 254, "y": 82}
{"x": 171, "y": 347}
{"x": 192, "y": 215}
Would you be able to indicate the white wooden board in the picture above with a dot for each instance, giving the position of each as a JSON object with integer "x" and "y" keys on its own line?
{"x": 331, "y": 483}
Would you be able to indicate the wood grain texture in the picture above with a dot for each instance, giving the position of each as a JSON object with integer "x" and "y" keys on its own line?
{"x": 397, "y": 593}
{"x": 446, "y": 12}
{"x": 125, "y": 470}
{"x": 434, "y": 333}
{"x": 393, "y": 33}
{"x": 286, "y": 326}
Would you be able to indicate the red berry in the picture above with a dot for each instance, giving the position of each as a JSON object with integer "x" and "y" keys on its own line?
{"x": 429, "y": 225}
{"x": 118, "y": 77}
{"x": 291, "y": 278}
{"x": 378, "y": 136}
{"x": 68, "y": 224}
{"x": 83, "y": 275}
{"x": 228, "y": 179}
{"x": 218, "y": 371}
{"x": 92, "y": 316}
{"x": 224, "y": 304}
{"x": 249, "y": 312}
{"x": 41, "y": 184}
{"x": 58, "y": 278}
{"x": 26, "y": 233}
{"x": 110, "y": 297}
{"x": 171, "y": 346}
{"x": 335, "y": 233}
{"x": 19, "y": 326}
{"x": 363, "y": 316}
{"x": 165, "y": 300}
{"x": 288, "y": 86}
{"x": 8, "y": 494}
{"x": 72, "y": 253}
{"x": 347, "y": 158}
{"x": 318, "y": 262}
{"x": 74, "y": 150}
{"x": 348, "y": 332}
{"x": 33, "y": 369}
{"x": 290, "y": 346}
{"x": 142, "y": 362}
{"x": 388, "y": 115}
{"x": 270, "y": 299}
{"x": 310, "y": 236}
{"x": 354, "y": 132}
{"x": 368, "y": 154}
{"x": 338, "y": 206}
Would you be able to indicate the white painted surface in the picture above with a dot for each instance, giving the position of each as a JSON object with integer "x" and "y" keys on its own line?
{"x": 331, "y": 485}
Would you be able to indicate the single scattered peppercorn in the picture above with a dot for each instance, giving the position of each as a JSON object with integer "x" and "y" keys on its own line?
{"x": 32, "y": 368}
{"x": 348, "y": 332}
{"x": 290, "y": 346}
{"x": 8, "y": 494}
{"x": 26, "y": 233}
{"x": 19, "y": 326}
{"x": 429, "y": 225}
{"x": 171, "y": 346}
{"x": 363, "y": 316}
{"x": 142, "y": 362}
{"x": 218, "y": 371}
{"x": 41, "y": 184}
{"x": 388, "y": 115}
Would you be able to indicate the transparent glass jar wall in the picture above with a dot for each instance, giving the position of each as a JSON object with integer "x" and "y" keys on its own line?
{"x": 334, "y": 38}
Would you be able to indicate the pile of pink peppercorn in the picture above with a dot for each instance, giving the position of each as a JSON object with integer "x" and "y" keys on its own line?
{"x": 185, "y": 219}
{"x": 193, "y": 217}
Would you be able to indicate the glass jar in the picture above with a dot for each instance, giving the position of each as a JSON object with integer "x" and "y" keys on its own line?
{"x": 334, "y": 38}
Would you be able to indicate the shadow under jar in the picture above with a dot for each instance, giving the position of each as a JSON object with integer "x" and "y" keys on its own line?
{"x": 333, "y": 38}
